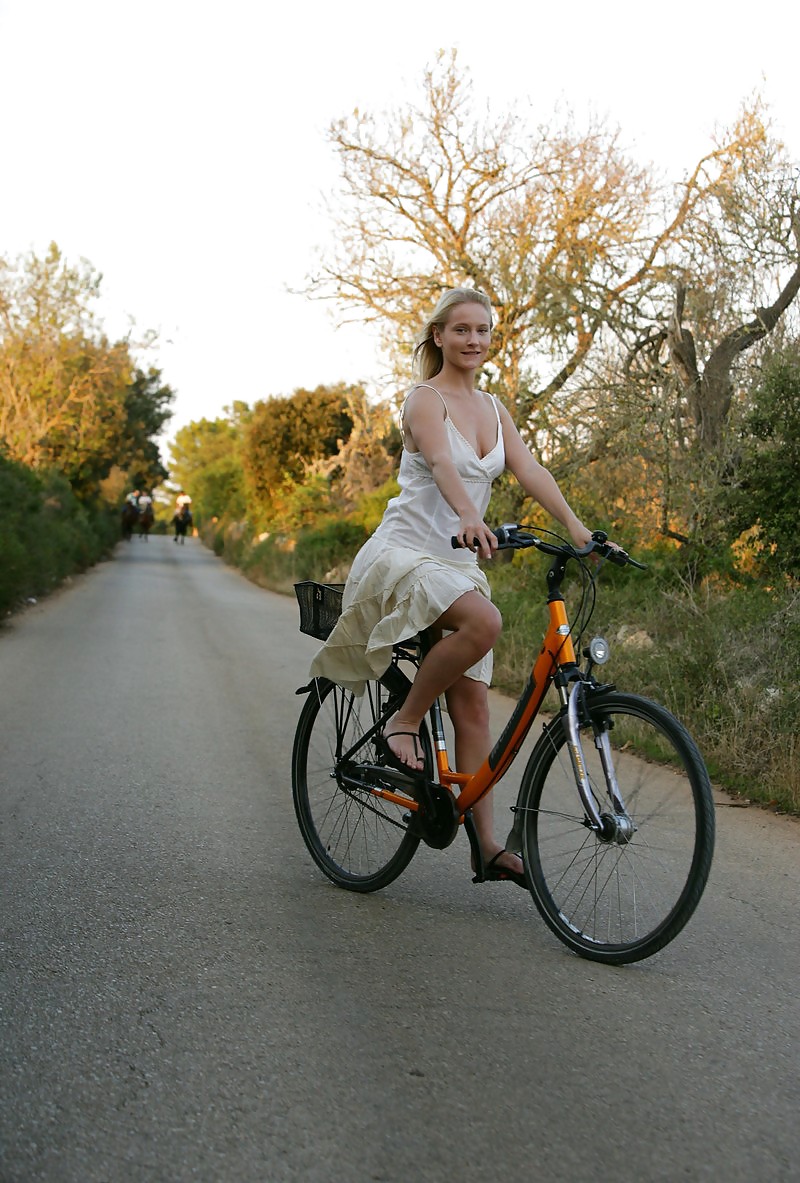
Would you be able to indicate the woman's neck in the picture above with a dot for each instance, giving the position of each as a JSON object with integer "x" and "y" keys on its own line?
{"x": 455, "y": 380}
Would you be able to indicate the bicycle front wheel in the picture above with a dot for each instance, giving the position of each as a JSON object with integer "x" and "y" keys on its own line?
{"x": 621, "y": 895}
{"x": 359, "y": 840}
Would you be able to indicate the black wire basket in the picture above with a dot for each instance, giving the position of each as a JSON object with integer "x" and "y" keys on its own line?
{"x": 320, "y": 607}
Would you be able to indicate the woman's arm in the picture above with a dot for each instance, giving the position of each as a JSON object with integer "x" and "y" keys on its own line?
{"x": 538, "y": 482}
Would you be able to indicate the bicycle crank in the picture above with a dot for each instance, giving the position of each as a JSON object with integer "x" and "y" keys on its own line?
{"x": 436, "y": 821}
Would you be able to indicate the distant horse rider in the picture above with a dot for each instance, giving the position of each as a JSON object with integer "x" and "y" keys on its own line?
{"x": 183, "y": 515}
{"x": 146, "y": 515}
{"x": 130, "y": 514}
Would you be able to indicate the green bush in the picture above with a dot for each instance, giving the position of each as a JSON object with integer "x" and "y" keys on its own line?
{"x": 323, "y": 554}
{"x": 46, "y": 533}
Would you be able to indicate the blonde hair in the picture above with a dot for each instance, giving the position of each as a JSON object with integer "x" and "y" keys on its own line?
{"x": 427, "y": 354}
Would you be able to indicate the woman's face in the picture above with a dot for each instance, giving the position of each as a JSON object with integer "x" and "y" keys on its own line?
{"x": 464, "y": 340}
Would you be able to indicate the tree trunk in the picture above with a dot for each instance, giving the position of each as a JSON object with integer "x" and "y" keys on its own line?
{"x": 709, "y": 393}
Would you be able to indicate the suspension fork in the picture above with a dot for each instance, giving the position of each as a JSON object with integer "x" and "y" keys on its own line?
{"x": 576, "y": 703}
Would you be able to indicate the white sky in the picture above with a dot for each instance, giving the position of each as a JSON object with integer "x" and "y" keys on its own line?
{"x": 179, "y": 145}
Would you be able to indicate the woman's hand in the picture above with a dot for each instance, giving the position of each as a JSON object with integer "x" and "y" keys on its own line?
{"x": 475, "y": 535}
{"x": 581, "y": 536}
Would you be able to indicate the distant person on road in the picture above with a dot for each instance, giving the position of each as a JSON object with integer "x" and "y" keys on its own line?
{"x": 182, "y": 518}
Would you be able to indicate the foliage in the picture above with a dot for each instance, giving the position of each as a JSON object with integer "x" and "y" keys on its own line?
{"x": 564, "y": 231}
{"x": 767, "y": 495}
{"x": 721, "y": 655}
{"x": 70, "y": 399}
{"x": 284, "y": 435}
{"x": 289, "y": 462}
{"x": 278, "y": 561}
{"x": 46, "y": 534}
{"x": 370, "y": 507}
{"x": 624, "y": 307}
{"x": 147, "y": 406}
{"x": 303, "y": 505}
{"x": 367, "y": 458}
{"x": 206, "y": 460}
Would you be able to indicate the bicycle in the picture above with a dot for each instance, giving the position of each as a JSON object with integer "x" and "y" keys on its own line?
{"x": 616, "y": 835}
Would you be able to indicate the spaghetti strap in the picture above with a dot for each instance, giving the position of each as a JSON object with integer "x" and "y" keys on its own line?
{"x": 408, "y": 396}
{"x": 428, "y": 386}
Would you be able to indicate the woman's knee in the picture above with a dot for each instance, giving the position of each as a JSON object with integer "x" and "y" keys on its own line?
{"x": 476, "y": 615}
{"x": 496, "y": 622}
{"x": 488, "y": 624}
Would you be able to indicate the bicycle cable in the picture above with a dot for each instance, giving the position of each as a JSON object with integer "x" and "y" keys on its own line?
{"x": 588, "y": 589}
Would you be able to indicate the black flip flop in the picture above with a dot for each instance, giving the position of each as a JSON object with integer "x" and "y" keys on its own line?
{"x": 388, "y": 757}
{"x": 495, "y": 874}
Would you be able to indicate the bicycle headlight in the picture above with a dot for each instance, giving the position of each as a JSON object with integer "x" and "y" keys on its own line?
{"x": 599, "y": 650}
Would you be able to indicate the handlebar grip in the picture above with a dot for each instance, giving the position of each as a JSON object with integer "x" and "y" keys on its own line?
{"x": 502, "y": 534}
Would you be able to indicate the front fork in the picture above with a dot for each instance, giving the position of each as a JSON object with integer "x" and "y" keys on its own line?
{"x": 575, "y": 701}
{"x": 615, "y": 826}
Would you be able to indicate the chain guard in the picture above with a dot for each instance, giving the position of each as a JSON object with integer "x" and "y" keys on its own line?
{"x": 437, "y": 822}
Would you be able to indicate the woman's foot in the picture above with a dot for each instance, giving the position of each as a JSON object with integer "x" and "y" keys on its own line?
{"x": 401, "y": 741}
{"x": 500, "y": 864}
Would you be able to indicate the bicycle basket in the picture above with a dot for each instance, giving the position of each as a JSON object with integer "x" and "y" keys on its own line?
{"x": 320, "y": 607}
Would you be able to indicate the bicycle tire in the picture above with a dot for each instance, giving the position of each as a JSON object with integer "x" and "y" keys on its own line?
{"x": 608, "y": 900}
{"x": 358, "y": 840}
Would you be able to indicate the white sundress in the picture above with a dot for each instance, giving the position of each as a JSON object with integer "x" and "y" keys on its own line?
{"x": 408, "y": 573}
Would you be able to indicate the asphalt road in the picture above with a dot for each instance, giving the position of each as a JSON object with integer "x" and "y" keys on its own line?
{"x": 185, "y": 997}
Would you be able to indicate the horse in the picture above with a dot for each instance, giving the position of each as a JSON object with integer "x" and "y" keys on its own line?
{"x": 182, "y": 519}
{"x": 130, "y": 516}
{"x": 146, "y": 518}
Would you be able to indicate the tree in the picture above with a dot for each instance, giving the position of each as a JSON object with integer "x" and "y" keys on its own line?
{"x": 207, "y": 461}
{"x": 286, "y": 435}
{"x": 566, "y": 234}
{"x": 736, "y": 273}
{"x": 689, "y": 375}
{"x": 768, "y": 486}
{"x": 368, "y": 458}
{"x": 627, "y": 310}
{"x": 147, "y": 407}
{"x": 69, "y": 398}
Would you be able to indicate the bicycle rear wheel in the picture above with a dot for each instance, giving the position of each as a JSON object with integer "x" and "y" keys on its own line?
{"x": 360, "y": 841}
{"x": 624, "y": 895}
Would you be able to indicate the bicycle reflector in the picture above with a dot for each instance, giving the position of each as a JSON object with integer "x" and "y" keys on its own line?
{"x": 599, "y": 650}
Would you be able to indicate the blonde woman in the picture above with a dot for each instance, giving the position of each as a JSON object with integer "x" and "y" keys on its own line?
{"x": 456, "y": 441}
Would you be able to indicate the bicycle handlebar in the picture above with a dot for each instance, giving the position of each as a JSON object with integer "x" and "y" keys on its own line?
{"x": 513, "y": 537}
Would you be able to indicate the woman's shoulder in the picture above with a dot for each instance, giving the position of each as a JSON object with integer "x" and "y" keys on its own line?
{"x": 426, "y": 390}
{"x": 424, "y": 396}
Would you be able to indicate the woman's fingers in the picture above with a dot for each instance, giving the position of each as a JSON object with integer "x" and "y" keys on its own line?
{"x": 477, "y": 537}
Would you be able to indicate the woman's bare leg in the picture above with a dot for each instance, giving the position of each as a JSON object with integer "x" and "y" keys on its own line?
{"x": 468, "y": 707}
{"x": 475, "y": 625}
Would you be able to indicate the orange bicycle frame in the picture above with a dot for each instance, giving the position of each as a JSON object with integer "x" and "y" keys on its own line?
{"x": 557, "y": 650}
